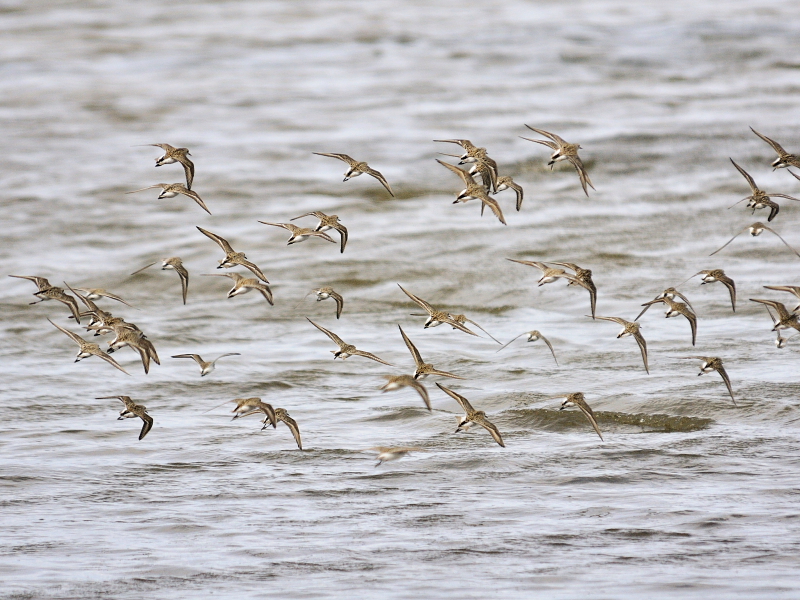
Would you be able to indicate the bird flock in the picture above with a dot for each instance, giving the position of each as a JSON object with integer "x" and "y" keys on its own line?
{"x": 101, "y": 322}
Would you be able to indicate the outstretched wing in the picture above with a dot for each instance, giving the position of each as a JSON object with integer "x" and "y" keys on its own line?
{"x": 342, "y": 157}
{"x": 411, "y": 348}
{"x": 420, "y": 302}
{"x": 377, "y": 175}
{"x": 292, "y": 425}
{"x": 222, "y": 242}
{"x": 781, "y": 239}
{"x": 746, "y": 175}
{"x": 582, "y": 174}
{"x": 465, "y": 177}
{"x": 370, "y": 356}
{"x": 73, "y": 336}
{"x": 335, "y": 338}
{"x": 458, "y": 398}
{"x": 775, "y": 145}
{"x": 193, "y": 195}
{"x": 726, "y": 379}
{"x": 491, "y": 428}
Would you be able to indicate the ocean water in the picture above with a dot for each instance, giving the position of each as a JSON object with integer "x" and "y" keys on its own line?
{"x": 689, "y": 495}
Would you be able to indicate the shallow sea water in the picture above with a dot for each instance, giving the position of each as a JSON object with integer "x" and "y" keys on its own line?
{"x": 688, "y": 496}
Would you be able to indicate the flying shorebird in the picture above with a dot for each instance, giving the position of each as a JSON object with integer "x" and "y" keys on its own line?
{"x": 785, "y": 318}
{"x": 97, "y": 293}
{"x": 173, "y": 155}
{"x": 388, "y": 453}
{"x": 247, "y": 406}
{"x": 324, "y": 293}
{"x": 578, "y": 400}
{"x": 327, "y": 222}
{"x": 170, "y": 190}
{"x": 436, "y": 317}
{"x": 712, "y": 275}
{"x": 280, "y": 415}
{"x": 584, "y": 277}
{"x": 472, "y": 153}
{"x": 757, "y": 229}
{"x": 792, "y": 289}
{"x": 173, "y": 264}
{"x": 549, "y": 275}
{"x": 506, "y": 183}
{"x": 131, "y": 411}
{"x": 563, "y": 150}
{"x": 422, "y": 369}
{"x": 481, "y": 166}
{"x": 233, "y": 258}
{"x": 534, "y": 336}
{"x": 94, "y": 313}
{"x": 463, "y": 319}
{"x": 300, "y": 234}
{"x": 759, "y": 198}
{"x": 713, "y": 363}
{"x": 50, "y": 292}
{"x": 87, "y": 349}
{"x": 136, "y": 340}
{"x": 473, "y": 190}
{"x": 205, "y": 366}
{"x": 356, "y": 168}
{"x": 670, "y": 293}
{"x": 472, "y": 416}
{"x": 242, "y": 285}
{"x": 675, "y": 309}
{"x": 395, "y": 382}
{"x": 784, "y": 158}
{"x": 345, "y": 350}
{"x": 631, "y": 328}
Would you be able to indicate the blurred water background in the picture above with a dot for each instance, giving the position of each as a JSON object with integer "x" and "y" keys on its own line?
{"x": 688, "y": 496}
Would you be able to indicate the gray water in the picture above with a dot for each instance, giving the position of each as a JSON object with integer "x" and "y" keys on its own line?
{"x": 688, "y": 496}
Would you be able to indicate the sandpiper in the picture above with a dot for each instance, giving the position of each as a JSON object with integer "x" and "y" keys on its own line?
{"x": 87, "y": 349}
{"x": 170, "y": 190}
{"x": 133, "y": 410}
{"x": 472, "y": 416}
{"x": 584, "y": 279}
{"x": 712, "y": 275}
{"x": 507, "y": 183}
{"x": 670, "y": 293}
{"x": 46, "y": 291}
{"x": 549, "y": 275}
{"x": 423, "y": 369}
{"x": 436, "y": 317}
{"x": 136, "y": 340}
{"x": 324, "y": 293}
{"x": 327, "y": 222}
{"x": 578, "y": 400}
{"x": 357, "y": 168}
{"x": 283, "y": 416}
{"x": 792, "y": 289}
{"x": 248, "y": 406}
{"x": 395, "y": 382}
{"x": 713, "y": 363}
{"x": 233, "y": 258}
{"x": 473, "y": 154}
{"x": 242, "y": 285}
{"x": 631, "y": 328}
{"x": 473, "y": 190}
{"x": 759, "y": 198}
{"x": 173, "y": 155}
{"x": 345, "y": 350}
{"x": 675, "y": 309}
{"x": 205, "y": 366}
{"x": 785, "y": 319}
{"x": 173, "y": 263}
{"x": 300, "y": 234}
{"x": 784, "y": 158}
{"x": 563, "y": 150}
{"x": 535, "y": 336}
{"x": 388, "y": 453}
{"x": 757, "y": 229}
